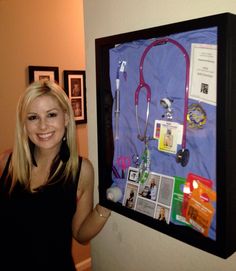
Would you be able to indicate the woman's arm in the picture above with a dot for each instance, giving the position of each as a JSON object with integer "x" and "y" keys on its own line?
{"x": 87, "y": 221}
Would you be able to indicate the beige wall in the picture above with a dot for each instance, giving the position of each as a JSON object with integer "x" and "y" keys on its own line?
{"x": 40, "y": 33}
{"x": 124, "y": 244}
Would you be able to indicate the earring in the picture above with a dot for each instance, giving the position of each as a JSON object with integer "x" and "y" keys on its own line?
{"x": 64, "y": 152}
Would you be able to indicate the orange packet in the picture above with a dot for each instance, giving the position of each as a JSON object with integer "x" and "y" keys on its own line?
{"x": 189, "y": 187}
{"x": 200, "y": 210}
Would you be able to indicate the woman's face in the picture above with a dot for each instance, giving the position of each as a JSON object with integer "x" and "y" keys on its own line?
{"x": 45, "y": 123}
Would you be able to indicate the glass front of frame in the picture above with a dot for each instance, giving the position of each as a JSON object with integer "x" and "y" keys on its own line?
{"x": 164, "y": 128}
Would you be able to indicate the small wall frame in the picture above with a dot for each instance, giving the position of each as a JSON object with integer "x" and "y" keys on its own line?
{"x": 43, "y": 72}
{"x": 167, "y": 128}
{"x": 75, "y": 87}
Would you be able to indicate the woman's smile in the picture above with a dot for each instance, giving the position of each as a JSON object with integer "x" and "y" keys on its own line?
{"x": 45, "y": 136}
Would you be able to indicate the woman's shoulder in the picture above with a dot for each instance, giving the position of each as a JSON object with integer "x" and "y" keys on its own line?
{"x": 86, "y": 164}
{"x": 3, "y": 159}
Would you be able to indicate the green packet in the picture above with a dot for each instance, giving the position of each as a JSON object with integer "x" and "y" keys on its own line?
{"x": 177, "y": 202}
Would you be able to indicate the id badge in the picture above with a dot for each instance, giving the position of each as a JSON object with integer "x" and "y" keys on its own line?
{"x": 168, "y": 138}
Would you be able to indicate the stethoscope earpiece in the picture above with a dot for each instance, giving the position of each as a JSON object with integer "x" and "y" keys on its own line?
{"x": 182, "y": 157}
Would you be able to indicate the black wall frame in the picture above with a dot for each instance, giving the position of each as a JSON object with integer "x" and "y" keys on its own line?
{"x": 225, "y": 243}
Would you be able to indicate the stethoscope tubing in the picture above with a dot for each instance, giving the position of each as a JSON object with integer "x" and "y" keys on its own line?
{"x": 144, "y": 85}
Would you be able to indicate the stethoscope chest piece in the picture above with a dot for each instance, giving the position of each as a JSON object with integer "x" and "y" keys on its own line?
{"x": 182, "y": 157}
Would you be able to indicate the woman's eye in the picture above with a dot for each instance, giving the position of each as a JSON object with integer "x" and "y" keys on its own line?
{"x": 33, "y": 117}
{"x": 52, "y": 115}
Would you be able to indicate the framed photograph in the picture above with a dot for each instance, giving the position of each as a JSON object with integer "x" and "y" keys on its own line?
{"x": 43, "y": 72}
{"x": 74, "y": 84}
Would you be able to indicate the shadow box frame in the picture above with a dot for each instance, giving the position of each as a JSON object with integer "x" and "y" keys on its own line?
{"x": 72, "y": 78}
{"x": 225, "y": 242}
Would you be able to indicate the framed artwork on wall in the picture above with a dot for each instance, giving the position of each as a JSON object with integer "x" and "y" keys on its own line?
{"x": 43, "y": 72}
{"x": 166, "y": 129}
{"x": 75, "y": 87}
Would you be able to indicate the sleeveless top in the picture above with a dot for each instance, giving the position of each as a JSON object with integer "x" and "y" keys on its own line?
{"x": 36, "y": 228}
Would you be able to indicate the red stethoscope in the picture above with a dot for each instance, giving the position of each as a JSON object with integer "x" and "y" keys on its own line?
{"x": 182, "y": 155}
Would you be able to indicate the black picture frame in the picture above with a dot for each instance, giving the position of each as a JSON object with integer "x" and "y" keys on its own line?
{"x": 75, "y": 88}
{"x": 39, "y": 72}
{"x": 225, "y": 243}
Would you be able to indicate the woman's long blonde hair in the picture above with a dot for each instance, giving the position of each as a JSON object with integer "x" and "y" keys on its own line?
{"x": 21, "y": 163}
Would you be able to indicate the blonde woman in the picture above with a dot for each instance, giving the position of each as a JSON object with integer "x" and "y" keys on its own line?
{"x": 46, "y": 189}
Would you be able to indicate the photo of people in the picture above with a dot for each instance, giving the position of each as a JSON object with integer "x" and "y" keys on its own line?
{"x": 75, "y": 87}
{"x": 154, "y": 184}
{"x": 130, "y": 200}
{"x": 162, "y": 214}
{"x": 130, "y": 196}
{"x": 145, "y": 191}
{"x": 77, "y": 107}
{"x": 150, "y": 189}
{"x": 168, "y": 139}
